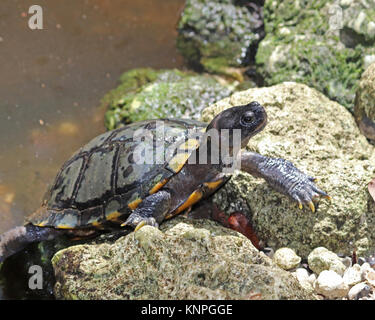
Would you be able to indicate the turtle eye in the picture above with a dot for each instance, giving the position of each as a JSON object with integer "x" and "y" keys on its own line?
{"x": 247, "y": 118}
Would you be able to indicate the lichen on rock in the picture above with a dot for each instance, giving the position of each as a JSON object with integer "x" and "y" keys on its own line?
{"x": 322, "y": 139}
{"x": 185, "y": 259}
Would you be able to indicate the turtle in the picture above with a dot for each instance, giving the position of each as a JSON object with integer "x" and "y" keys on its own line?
{"x": 146, "y": 172}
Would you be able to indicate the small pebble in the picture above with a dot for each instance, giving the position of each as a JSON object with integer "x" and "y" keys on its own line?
{"x": 360, "y": 290}
{"x": 303, "y": 279}
{"x": 322, "y": 259}
{"x": 353, "y": 275}
{"x": 347, "y": 261}
{"x": 366, "y": 266}
{"x": 361, "y": 260}
{"x": 302, "y": 274}
{"x": 371, "y": 261}
{"x": 331, "y": 285}
{"x": 312, "y": 278}
{"x": 370, "y": 276}
{"x": 286, "y": 258}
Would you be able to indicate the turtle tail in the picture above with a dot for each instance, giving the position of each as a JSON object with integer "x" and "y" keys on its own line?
{"x": 19, "y": 237}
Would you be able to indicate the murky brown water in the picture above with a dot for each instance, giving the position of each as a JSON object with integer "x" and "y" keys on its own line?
{"x": 52, "y": 80}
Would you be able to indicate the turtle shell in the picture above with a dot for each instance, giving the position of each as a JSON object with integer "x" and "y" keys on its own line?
{"x": 109, "y": 176}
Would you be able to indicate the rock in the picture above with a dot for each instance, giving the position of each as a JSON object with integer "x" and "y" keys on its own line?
{"x": 331, "y": 285}
{"x": 217, "y": 34}
{"x": 358, "y": 25}
{"x": 312, "y": 278}
{"x": 361, "y": 260}
{"x": 358, "y": 291}
{"x": 286, "y": 258}
{"x": 370, "y": 276}
{"x": 353, "y": 275}
{"x": 371, "y": 260}
{"x": 364, "y": 267}
{"x": 347, "y": 261}
{"x": 321, "y": 259}
{"x": 364, "y": 108}
{"x": 326, "y": 45}
{"x": 304, "y": 279}
{"x": 150, "y": 94}
{"x": 322, "y": 139}
{"x": 186, "y": 259}
{"x": 302, "y": 274}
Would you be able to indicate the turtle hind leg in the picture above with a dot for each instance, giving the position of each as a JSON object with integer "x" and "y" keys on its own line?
{"x": 19, "y": 237}
{"x": 151, "y": 211}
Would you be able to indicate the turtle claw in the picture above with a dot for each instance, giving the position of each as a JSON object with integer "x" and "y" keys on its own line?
{"x": 305, "y": 192}
{"x": 137, "y": 222}
{"x": 312, "y": 206}
{"x": 140, "y": 225}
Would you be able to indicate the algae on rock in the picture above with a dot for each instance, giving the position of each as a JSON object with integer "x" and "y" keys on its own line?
{"x": 186, "y": 259}
{"x": 322, "y": 139}
{"x": 149, "y": 94}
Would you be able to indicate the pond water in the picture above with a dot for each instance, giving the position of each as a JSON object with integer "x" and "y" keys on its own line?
{"x": 52, "y": 81}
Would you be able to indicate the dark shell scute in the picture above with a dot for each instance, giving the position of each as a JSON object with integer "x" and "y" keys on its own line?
{"x": 96, "y": 180}
{"x": 63, "y": 190}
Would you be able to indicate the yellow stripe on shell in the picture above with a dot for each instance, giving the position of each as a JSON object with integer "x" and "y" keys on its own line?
{"x": 213, "y": 185}
{"x": 158, "y": 186}
{"x": 42, "y": 224}
{"x": 64, "y": 226}
{"x": 113, "y": 215}
{"x": 178, "y": 161}
{"x": 190, "y": 144}
{"x": 134, "y": 204}
{"x": 96, "y": 224}
{"x": 193, "y": 198}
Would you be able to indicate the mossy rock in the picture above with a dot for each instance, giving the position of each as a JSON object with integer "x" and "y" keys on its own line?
{"x": 217, "y": 35}
{"x": 153, "y": 94}
{"x": 185, "y": 259}
{"x": 322, "y": 44}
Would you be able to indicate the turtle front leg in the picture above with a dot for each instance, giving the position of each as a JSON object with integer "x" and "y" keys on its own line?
{"x": 151, "y": 211}
{"x": 284, "y": 177}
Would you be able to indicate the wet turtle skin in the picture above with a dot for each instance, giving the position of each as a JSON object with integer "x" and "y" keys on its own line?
{"x": 105, "y": 180}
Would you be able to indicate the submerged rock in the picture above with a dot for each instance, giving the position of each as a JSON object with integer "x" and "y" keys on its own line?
{"x": 364, "y": 109}
{"x": 323, "y": 44}
{"x": 151, "y": 94}
{"x": 186, "y": 259}
{"x": 217, "y": 35}
{"x": 322, "y": 139}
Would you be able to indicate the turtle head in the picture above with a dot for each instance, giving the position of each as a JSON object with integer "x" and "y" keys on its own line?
{"x": 247, "y": 119}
